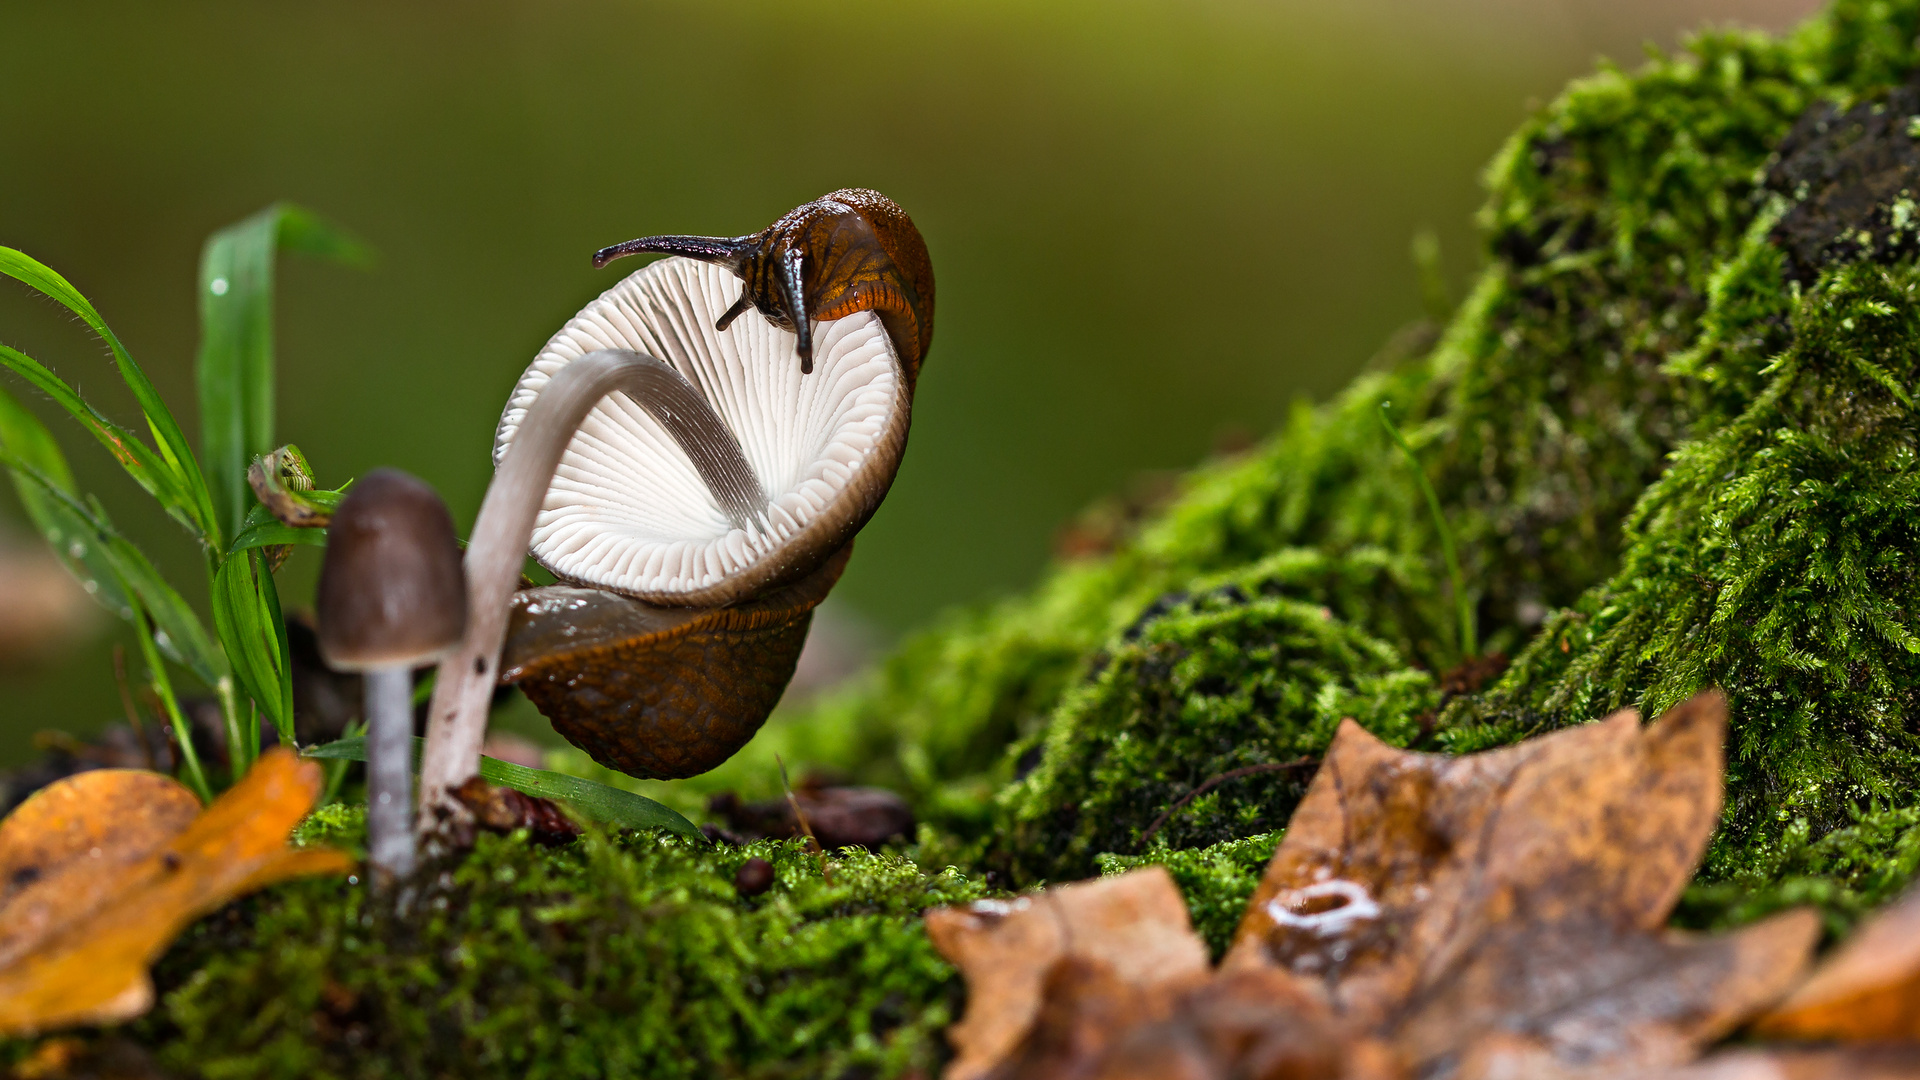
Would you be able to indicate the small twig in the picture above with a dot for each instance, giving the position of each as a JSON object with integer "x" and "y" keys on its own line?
{"x": 800, "y": 816}
{"x": 1212, "y": 782}
{"x": 133, "y": 712}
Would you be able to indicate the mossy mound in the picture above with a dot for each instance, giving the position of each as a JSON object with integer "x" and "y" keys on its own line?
{"x": 1671, "y": 459}
{"x": 612, "y": 957}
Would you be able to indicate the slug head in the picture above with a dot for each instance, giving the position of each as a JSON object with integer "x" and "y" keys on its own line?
{"x": 853, "y": 250}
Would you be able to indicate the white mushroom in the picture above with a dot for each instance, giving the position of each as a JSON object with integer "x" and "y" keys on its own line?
{"x": 643, "y": 493}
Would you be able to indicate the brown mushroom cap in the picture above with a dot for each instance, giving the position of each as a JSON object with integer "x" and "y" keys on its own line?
{"x": 627, "y": 511}
{"x": 659, "y": 693}
{"x": 392, "y": 592}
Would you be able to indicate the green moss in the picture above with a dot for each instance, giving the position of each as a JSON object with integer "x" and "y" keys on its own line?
{"x": 1216, "y": 881}
{"x": 1254, "y": 668}
{"x": 613, "y": 957}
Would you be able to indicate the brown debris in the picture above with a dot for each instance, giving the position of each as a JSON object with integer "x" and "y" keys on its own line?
{"x": 754, "y": 877}
{"x": 108, "y": 1057}
{"x": 1472, "y": 674}
{"x": 1443, "y": 899}
{"x": 1890, "y": 1062}
{"x": 838, "y": 816}
{"x": 105, "y": 868}
{"x": 1501, "y": 915}
{"x": 503, "y": 810}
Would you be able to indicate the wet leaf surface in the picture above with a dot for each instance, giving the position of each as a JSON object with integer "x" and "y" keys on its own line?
{"x": 1498, "y": 915}
{"x": 108, "y": 866}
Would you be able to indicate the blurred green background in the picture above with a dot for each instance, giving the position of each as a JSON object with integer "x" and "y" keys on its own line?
{"x": 1153, "y": 224}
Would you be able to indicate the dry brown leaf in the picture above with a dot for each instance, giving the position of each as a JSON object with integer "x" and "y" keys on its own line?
{"x": 1495, "y": 916}
{"x": 1131, "y": 929}
{"x": 94, "y": 923}
{"x": 63, "y": 851}
{"x": 1518, "y": 895}
{"x": 1841, "y": 1063}
{"x": 1257, "y": 1023}
{"x": 1869, "y": 989}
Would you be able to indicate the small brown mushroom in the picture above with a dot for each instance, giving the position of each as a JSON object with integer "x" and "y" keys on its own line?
{"x": 391, "y": 598}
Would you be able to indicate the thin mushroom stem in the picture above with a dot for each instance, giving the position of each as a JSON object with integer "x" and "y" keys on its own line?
{"x": 464, "y": 686}
{"x": 390, "y": 773}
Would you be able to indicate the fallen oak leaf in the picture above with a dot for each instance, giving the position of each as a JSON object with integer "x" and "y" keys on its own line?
{"x": 1131, "y": 929}
{"x": 1518, "y": 896}
{"x": 88, "y": 964}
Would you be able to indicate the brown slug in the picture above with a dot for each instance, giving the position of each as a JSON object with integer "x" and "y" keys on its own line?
{"x": 852, "y": 250}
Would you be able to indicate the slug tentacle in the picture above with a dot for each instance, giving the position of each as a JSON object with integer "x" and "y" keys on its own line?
{"x": 740, "y": 307}
{"x": 794, "y": 289}
{"x": 730, "y": 252}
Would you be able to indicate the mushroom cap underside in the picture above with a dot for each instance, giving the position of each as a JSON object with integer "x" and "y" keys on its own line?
{"x": 627, "y": 511}
{"x": 659, "y": 693}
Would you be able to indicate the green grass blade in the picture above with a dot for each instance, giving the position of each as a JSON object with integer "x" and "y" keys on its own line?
{"x": 170, "y": 440}
{"x": 235, "y": 369}
{"x": 177, "y": 630}
{"x": 1469, "y": 640}
{"x": 247, "y": 630}
{"x": 24, "y": 438}
{"x": 147, "y": 468}
{"x": 277, "y": 620}
{"x": 269, "y": 533}
{"x": 609, "y": 805}
{"x": 157, "y": 673}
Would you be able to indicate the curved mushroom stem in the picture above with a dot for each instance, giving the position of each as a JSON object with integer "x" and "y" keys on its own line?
{"x": 457, "y": 718}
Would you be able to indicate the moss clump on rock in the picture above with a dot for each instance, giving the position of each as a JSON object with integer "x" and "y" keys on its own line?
{"x": 1253, "y": 670}
{"x": 612, "y": 957}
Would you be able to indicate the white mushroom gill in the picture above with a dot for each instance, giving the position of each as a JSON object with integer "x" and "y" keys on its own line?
{"x": 627, "y": 511}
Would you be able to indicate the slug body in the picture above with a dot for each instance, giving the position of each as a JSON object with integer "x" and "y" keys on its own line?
{"x": 853, "y": 250}
{"x": 655, "y": 692}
